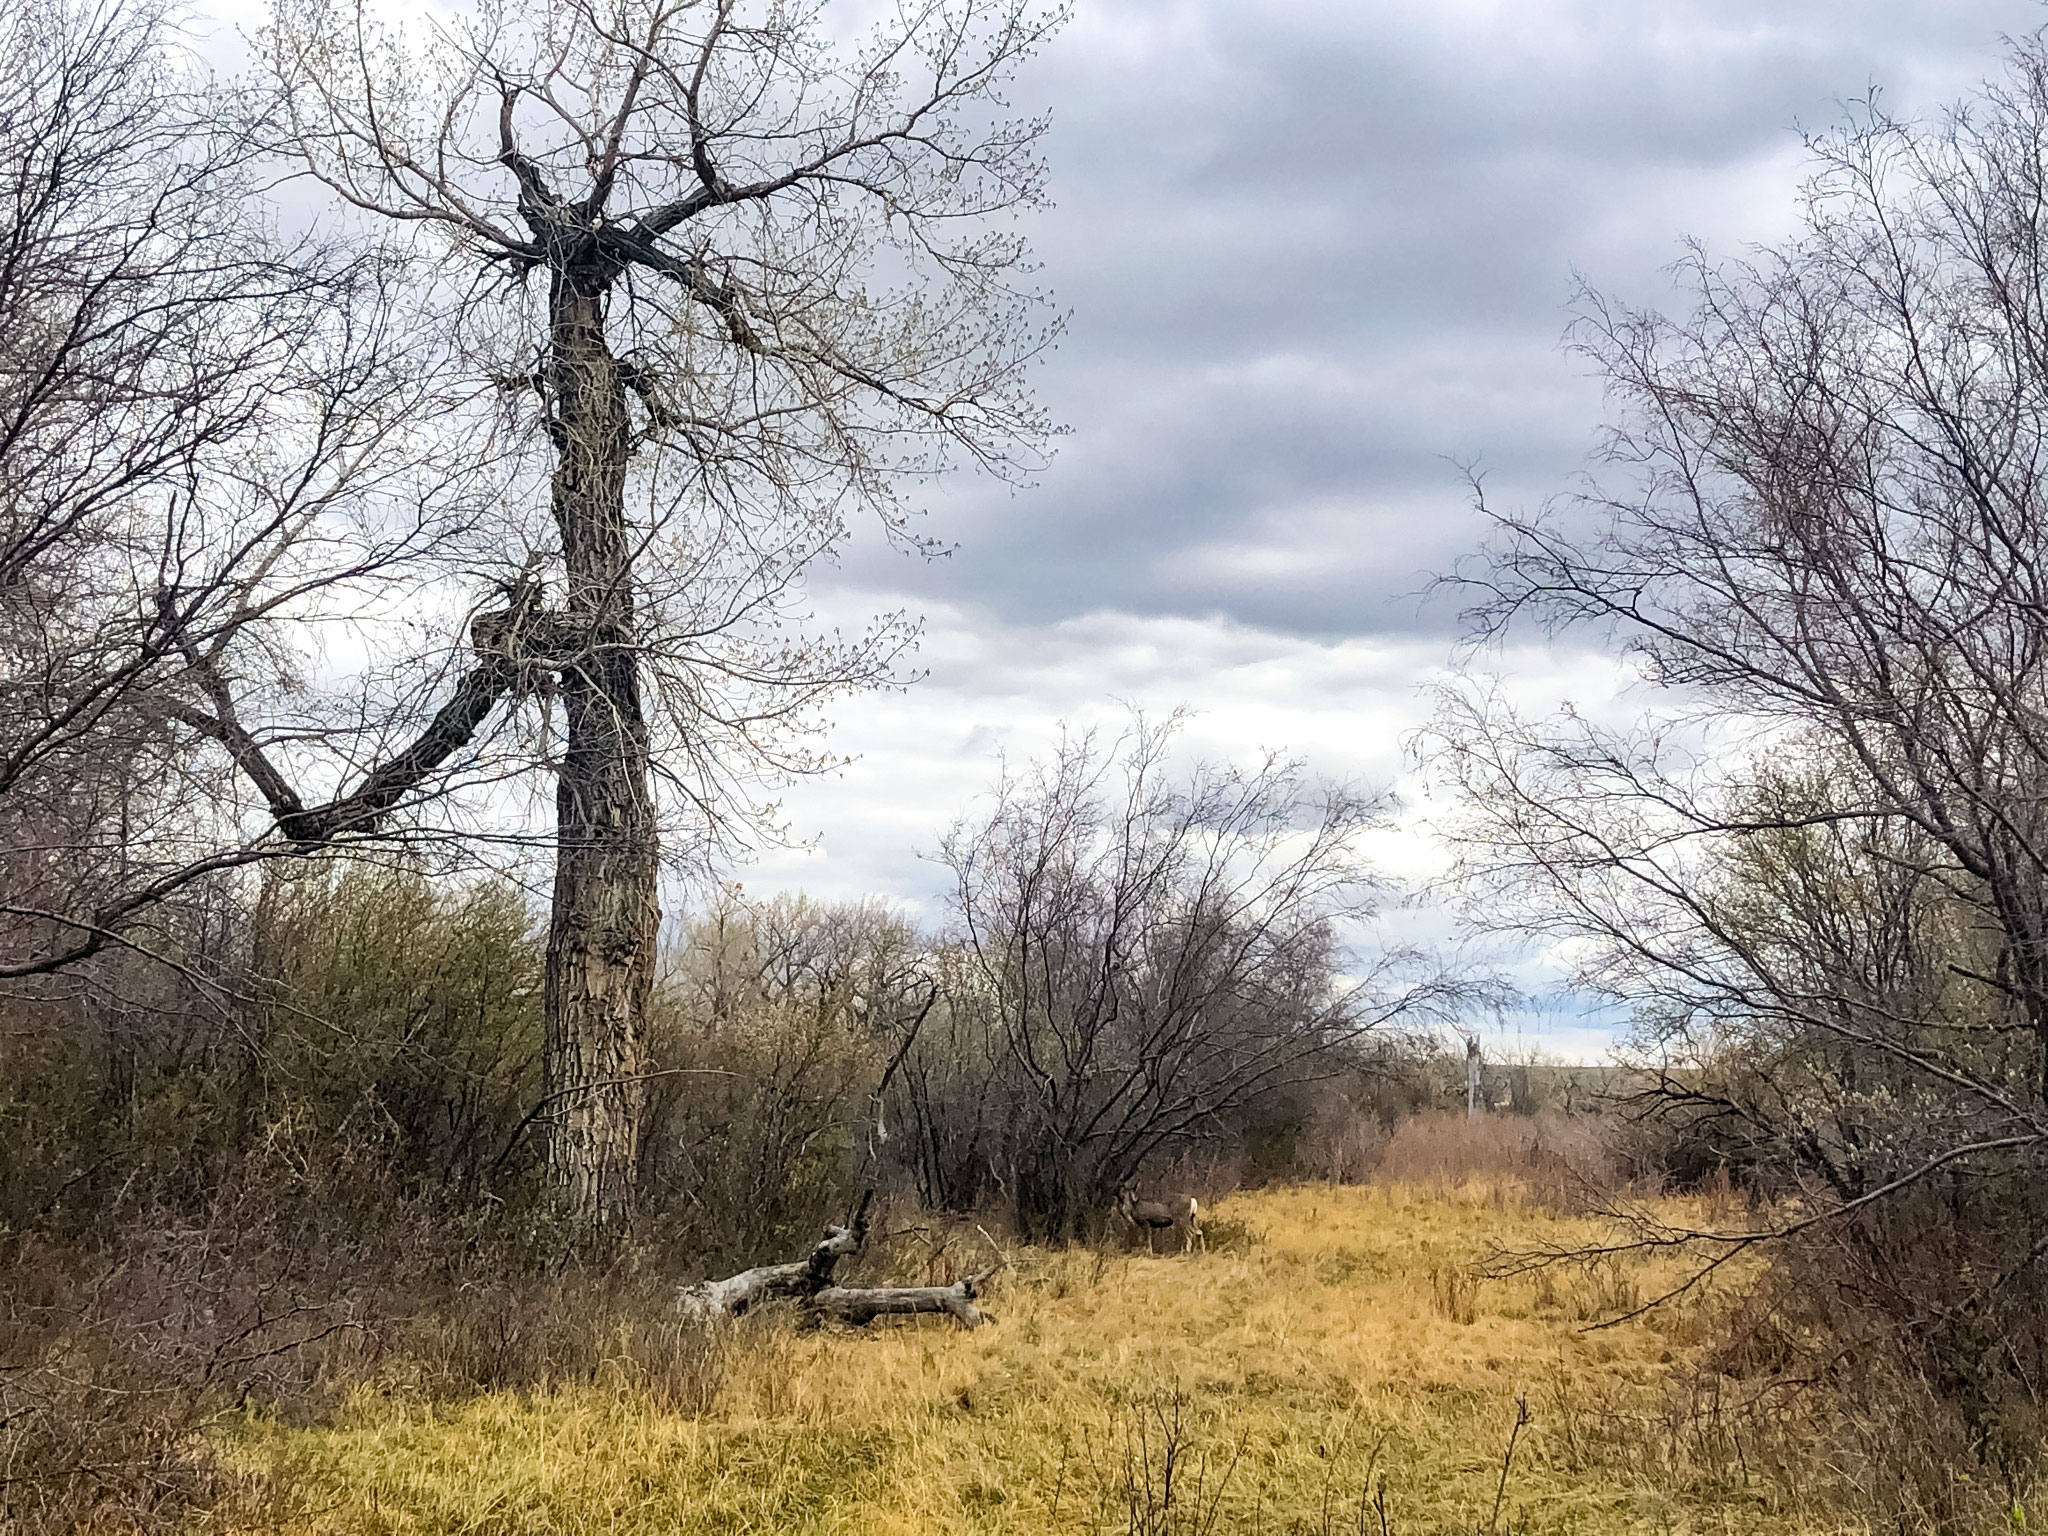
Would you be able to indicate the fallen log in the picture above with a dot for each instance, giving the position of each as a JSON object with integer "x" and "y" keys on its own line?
{"x": 859, "y": 1306}
{"x": 710, "y": 1300}
{"x": 808, "y": 1282}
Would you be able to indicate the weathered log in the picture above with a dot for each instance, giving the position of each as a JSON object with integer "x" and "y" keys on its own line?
{"x": 861, "y": 1306}
{"x": 809, "y": 1283}
{"x": 710, "y": 1300}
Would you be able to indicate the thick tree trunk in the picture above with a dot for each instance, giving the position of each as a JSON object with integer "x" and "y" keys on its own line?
{"x": 602, "y": 931}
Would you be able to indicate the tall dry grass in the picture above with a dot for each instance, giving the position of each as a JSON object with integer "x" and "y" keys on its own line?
{"x": 1557, "y": 1160}
{"x": 1345, "y": 1360}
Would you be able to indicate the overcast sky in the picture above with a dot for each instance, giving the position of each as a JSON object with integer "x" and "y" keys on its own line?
{"x": 1317, "y": 252}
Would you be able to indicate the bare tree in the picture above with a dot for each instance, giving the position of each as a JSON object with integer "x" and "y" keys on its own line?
{"x": 204, "y": 443}
{"x": 1148, "y": 954}
{"x": 1819, "y": 869}
{"x": 737, "y": 280}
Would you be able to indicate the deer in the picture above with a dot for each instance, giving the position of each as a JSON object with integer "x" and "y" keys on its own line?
{"x": 1183, "y": 1211}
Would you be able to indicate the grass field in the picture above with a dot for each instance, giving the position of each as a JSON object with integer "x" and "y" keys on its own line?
{"x": 1332, "y": 1349}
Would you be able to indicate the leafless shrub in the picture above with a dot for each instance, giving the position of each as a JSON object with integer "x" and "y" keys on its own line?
{"x": 1454, "y": 1294}
{"x": 777, "y": 1031}
{"x": 1554, "y": 1161}
{"x": 94, "y": 1435}
{"x": 1140, "y": 959}
{"x": 1343, "y": 1147}
{"x": 1165, "y": 1480}
{"x": 119, "y": 1353}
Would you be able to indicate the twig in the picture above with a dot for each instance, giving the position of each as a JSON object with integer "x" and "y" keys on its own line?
{"x": 1508, "y": 1460}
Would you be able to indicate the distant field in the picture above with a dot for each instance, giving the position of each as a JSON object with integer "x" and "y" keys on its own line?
{"x": 1333, "y": 1346}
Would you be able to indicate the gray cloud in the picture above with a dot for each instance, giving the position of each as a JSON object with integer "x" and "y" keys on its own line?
{"x": 1314, "y": 251}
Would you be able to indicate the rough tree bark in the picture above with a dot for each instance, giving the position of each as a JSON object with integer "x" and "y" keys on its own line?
{"x": 605, "y": 914}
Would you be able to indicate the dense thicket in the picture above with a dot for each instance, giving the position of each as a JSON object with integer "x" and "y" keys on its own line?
{"x": 1133, "y": 978}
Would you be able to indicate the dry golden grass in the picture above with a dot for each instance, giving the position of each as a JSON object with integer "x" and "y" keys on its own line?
{"x": 1339, "y": 1339}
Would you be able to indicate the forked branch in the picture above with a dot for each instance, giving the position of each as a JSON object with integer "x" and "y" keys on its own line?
{"x": 500, "y": 640}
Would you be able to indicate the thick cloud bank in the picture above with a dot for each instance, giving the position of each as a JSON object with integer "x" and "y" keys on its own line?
{"x": 1316, "y": 256}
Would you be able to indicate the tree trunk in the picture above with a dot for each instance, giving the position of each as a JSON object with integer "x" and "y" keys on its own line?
{"x": 711, "y": 1300}
{"x": 602, "y": 930}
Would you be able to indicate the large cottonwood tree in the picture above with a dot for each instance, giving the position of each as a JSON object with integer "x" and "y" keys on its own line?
{"x": 741, "y": 280}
